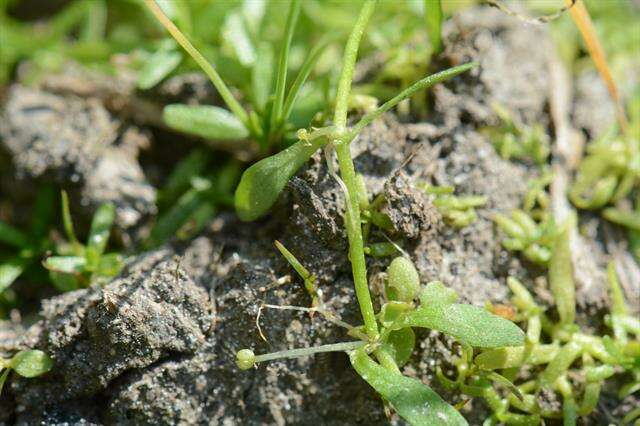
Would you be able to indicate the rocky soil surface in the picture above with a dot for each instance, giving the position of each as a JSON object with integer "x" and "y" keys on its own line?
{"x": 157, "y": 345}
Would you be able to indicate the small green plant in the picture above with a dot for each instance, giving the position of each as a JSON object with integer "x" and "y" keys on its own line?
{"x": 387, "y": 335}
{"x": 571, "y": 363}
{"x": 77, "y": 265}
{"x": 533, "y": 239}
{"x": 608, "y": 173}
{"x": 457, "y": 211}
{"x": 30, "y": 246}
{"x": 267, "y": 122}
{"x": 29, "y": 364}
{"x": 514, "y": 140}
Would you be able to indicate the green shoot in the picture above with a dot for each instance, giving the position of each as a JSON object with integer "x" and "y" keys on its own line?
{"x": 533, "y": 239}
{"x": 215, "y": 78}
{"x": 309, "y": 279}
{"x": 457, "y": 211}
{"x": 433, "y": 18}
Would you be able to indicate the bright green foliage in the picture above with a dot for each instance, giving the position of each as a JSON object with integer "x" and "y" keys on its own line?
{"x": 457, "y": 211}
{"x": 159, "y": 65}
{"x": 573, "y": 360}
{"x": 27, "y": 247}
{"x": 76, "y": 265}
{"x": 413, "y": 400}
{"x": 513, "y": 140}
{"x": 28, "y": 363}
{"x": 608, "y": 173}
{"x": 262, "y": 183}
{"x": 533, "y": 239}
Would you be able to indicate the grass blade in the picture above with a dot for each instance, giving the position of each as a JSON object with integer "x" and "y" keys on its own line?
{"x": 215, "y": 78}
{"x": 292, "y": 18}
{"x": 409, "y": 91}
{"x": 433, "y": 18}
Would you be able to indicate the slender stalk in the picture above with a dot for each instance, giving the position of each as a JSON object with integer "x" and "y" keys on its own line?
{"x": 215, "y": 78}
{"x": 302, "y": 76}
{"x": 348, "y": 174}
{"x": 296, "y": 353}
{"x": 292, "y": 18}
{"x": 408, "y": 92}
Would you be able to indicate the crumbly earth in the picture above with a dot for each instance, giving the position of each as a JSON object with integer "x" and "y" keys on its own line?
{"x": 78, "y": 144}
{"x": 157, "y": 345}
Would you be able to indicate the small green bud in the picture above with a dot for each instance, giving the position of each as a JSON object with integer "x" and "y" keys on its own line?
{"x": 403, "y": 279}
{"x": 245, "y": 359}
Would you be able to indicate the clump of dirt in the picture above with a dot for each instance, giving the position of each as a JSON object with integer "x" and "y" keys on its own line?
{"x": 78, "y": 144}
{"x": 157, "y": 345}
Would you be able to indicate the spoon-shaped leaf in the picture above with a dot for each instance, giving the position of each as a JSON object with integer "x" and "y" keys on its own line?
{"x": 468, "y": 324}
{"x": 99, "y": 232}
{"x": 159, "y": 65}
{"x": 413, "y": 400}
{"x": 31, "y": 363}
{"x": 261, "y": 183}
{"x": 206, "y": 121}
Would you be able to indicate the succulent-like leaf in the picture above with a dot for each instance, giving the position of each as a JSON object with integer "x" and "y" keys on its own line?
{"x": 262, "y": 183}
{"x": 468, "y": 324}
{"x": 31, "y": 363}
{"x": 413, "y": 400}
{"x": 516, "y": 356}
{"x": 561, "y": 275}
{"x": 159, "y": 65}
{"x": 209, "y": 122}
{"x": 437, "y": 293}
{"x": 403, "y": 279}
{"x": 99, "y": 232}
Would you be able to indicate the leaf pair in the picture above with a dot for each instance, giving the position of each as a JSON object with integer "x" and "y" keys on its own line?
{"x": 77, "y": 265}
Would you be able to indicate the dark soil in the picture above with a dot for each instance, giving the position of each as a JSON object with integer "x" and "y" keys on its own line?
{"x": 157, "y": 345}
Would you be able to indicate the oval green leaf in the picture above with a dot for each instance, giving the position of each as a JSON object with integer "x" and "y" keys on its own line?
{"x": 413, "y": 400}
{"x": 159, "y": 65}
{"x": 261, "y": 184}
{"x": 31, "y": 363}
{"x": 209, "y": 122}
{"x": 467, "y": 324}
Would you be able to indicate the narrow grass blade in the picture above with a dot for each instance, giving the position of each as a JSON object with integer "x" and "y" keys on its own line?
{"x": 283, "y": 63}
{"x": 433, "y": 18}
{"x": 215, "y": 78}
{"x": 561, "y": 275}
{"x": 409, "y": 91}
{"x": 67, "y": 221}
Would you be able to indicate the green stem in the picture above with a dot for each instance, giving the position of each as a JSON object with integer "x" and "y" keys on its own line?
{"x": 386, "y": 360}
{"x": 215, "y": 78}
{"x": 348, "y": 174}
{"x": 408, "y": 92}
{"x": 296, "y": 353}
{"x": 292, "y": 18}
